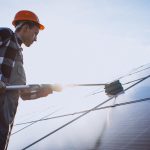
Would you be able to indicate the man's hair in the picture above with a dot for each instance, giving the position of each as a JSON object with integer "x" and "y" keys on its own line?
{"x": 20, "y": 24}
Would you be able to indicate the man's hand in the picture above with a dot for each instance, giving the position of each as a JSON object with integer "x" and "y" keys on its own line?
{"x": 45, "y": 90}
{"x": 2, "y": 87}
{"x": 36, "y": 92}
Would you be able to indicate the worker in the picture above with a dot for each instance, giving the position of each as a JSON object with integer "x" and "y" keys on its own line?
{"x": 27, "y": 26}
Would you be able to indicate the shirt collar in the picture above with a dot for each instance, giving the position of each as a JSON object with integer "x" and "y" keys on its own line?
{"x": 18, "y": 39}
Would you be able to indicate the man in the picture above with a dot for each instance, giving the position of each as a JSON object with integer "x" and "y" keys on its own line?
{"x": 27, "y": 27}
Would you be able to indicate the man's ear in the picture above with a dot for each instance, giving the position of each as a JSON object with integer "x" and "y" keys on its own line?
{"x": 25, "y": 28}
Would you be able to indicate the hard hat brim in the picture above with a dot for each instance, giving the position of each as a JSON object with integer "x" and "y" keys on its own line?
{"x": 41, "y": 27}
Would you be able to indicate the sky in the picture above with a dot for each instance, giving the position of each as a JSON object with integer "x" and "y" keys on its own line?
{"x": 84, "y": 41}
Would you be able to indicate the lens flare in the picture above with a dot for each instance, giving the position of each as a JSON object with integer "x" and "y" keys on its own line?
{"x": 56, "y": 87}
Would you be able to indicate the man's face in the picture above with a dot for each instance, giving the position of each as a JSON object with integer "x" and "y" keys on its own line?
{"x": 30, "y": 35}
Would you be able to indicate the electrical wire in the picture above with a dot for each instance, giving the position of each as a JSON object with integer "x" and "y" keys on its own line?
{"x": 133, "y": 81}
{"x": 94, "y": 93}
{"x": 60, "y": 116}
{"x": 80, "y": 112}
{"x": 140, "y": 67}
{"x": 100, "y": 84}
{"x": 129, "y": 74}
{"x": 34, "y": 122}
{"x": 103, "y": 84}
{"x": 122, "y": 84}
{"x": 73, "y": 120}
{"x": 31, "y": 114}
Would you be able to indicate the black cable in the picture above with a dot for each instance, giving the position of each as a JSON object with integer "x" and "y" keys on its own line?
{"x": 79, "y": 112}
{"x": 129, "y": 74}
{"x": 66, "y": 124}
{"x": 140, "y": 70}
{"x": 30, "y": 114}
{"x": 122, "y": 84}
{"x": 133, "y": 81}
{"x": 94, "y": 93}
{"x": 97, "y": 92}
{"x": 75, "y": 112}
{"x": 33, "y": 123}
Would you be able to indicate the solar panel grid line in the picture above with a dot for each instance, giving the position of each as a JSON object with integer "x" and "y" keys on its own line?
{"x": 82, "y": 115}
{"x": 75, "y": 113}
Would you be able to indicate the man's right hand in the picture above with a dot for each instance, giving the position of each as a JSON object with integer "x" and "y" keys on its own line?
{"x": 45, "y": 90}
{"x": 2, "y": 87}
{"x": 36, "y": 91}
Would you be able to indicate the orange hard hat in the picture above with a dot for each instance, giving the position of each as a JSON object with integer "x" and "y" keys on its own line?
{"x": 26, "y": 15}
